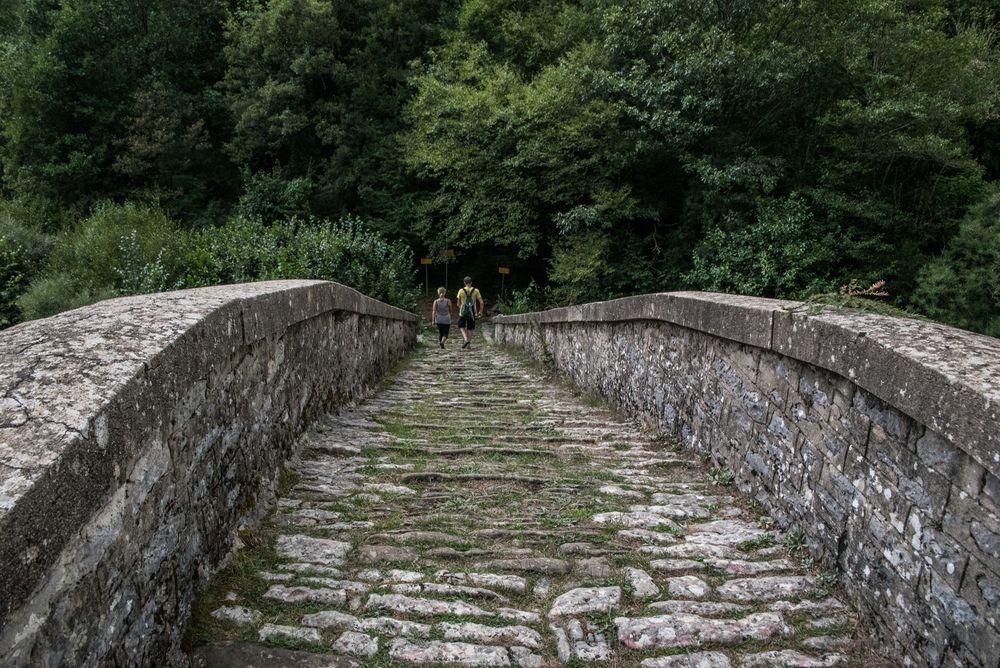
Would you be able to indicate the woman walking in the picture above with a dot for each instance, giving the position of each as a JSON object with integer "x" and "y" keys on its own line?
{"x": 441, "y": 316}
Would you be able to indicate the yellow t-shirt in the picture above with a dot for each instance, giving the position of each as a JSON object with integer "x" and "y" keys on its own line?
{"x": 473, "y": 295}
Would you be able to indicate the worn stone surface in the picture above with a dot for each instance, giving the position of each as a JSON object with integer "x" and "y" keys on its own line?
{"x": 330, "y": 618}
{"x": 726, "y": 532}
{"x": 687, "y": 630}
{"x": 743, "y": 567}
{"x": 706, "y": 608}
{"x": 586, "y": 600}
{"x": 272, "y": 631}
{"x": 435, "y": 651}
{"x": 767, "y": 588}
{"x": 542, "y": 565}
{"x": 237, "y": 614}
{"x": 594, "y": 568}
{"x": 137, "y": 434}
{"x": 687, "y": 586}
{"x": 642, "y": 585}
{"x": 492, "y": 635}
{"x": 874, "y": 435}
{"x": 348, "y": 586}
{"x": 585, "y": 549}
{"x": 303, "y": 594}
{"x": 394, "y": 627}
{"x": 793, "y": 659}
{"x": 505, "y": 563}
{"x": 676, "y": 565}
{"x": 315, "y": 550}
{"x": 374, "y": 554}
{"x": 424, "y": 607}
{"x": 588, "y": 643}
{"x": 512, "y": 583}
{"x": 434, "y": 588}
{"x": 564, "y": 651}
{"x": 393, "y": 576}
{"x": 525, "y": 658}
{"x": 356, "y": 644}
{"x": 695, "y": 660}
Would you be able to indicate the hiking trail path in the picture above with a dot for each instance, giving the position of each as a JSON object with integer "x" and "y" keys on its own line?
{"x": 475, "y": 512}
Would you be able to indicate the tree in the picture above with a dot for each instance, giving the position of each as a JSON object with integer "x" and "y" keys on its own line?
{"x": 520, "y": 152}
{"x": 859, "y": 107}
{"x": 962, "y": 285}
{"x": 315, "y": 90}
{"x": 781, "y": 252}
{"x": 114, "y": 98}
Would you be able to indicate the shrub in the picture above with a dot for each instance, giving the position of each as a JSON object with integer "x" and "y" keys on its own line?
{"x": 11, "y": 281}
{"x": 962, "y": 285}
{"x": 135, "y": 249}
{"x": 779, "y": 254}
{"x": 532, "y": 298}
{"x": 23, "y": 249}
{"x": 271, "y": 196}
{"x": 347, "y": 252}
{"x": 578, "y": 267}
{"x": 57, "y": 292}
{"x": 120, "y": 249}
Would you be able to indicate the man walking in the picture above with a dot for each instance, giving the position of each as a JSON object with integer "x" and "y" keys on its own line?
{"x": 470, "y": 307}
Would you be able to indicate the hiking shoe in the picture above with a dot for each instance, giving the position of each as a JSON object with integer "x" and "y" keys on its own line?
{"x": 441, "y": 343}
{"x": 466, "y": 344}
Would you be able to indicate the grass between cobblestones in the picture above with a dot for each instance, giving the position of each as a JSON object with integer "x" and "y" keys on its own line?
{"x": 424, "y": 436}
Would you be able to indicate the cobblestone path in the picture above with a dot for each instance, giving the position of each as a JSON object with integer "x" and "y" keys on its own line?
{"x": 473, "y": 513}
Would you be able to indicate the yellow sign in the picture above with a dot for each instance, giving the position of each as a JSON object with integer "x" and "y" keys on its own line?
{"x": 426, "y": 260}
{"x": 450, "y": 254}
{"x": 504, "y": 270}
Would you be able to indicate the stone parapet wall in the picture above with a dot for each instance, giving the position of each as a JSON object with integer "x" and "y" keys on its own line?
{"x": 878, "y": 437}
{"x": 138, "y": 434}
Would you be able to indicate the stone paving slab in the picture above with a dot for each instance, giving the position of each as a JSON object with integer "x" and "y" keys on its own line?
{"x": 475, "y": 513}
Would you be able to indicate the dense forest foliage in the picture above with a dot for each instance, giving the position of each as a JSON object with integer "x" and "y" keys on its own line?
{"x": 598, "y": 147}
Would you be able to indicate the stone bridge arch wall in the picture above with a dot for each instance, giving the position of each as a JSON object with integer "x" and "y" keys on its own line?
{"x": 878, "y": 437}
{"x": 138, "y": 434}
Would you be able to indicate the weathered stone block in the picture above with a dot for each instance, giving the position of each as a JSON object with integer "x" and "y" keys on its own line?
{"x": 829, "y": 438}
{"x": 773, "y": 382}
{"x": 972, "y": 526}
{"x": 981, "y": 588}
{"x": 938, "y": 550}
{"x": 990, "y": 499}
{"x": 884, "y": 499}
{"x": 836, "y": 495}
{"x": 962, "y": 656}
{"x": 964, "y": 621}
{"x": 926, "y": 490}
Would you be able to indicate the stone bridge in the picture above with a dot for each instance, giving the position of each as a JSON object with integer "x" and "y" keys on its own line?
{"x": 270, "y": 475}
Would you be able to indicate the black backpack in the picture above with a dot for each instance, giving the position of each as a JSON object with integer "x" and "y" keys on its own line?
{"x": 468, "y": 306}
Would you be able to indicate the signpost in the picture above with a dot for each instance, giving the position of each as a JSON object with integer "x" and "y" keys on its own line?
{"x": 504, "y": 271}
{"x": 448, "y": 254}
{"x": 426, "y": 261}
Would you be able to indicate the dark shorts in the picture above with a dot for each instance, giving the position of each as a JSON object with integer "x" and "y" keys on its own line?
{"x": 466, "y": 323}
{"x": 443, "y": 329}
